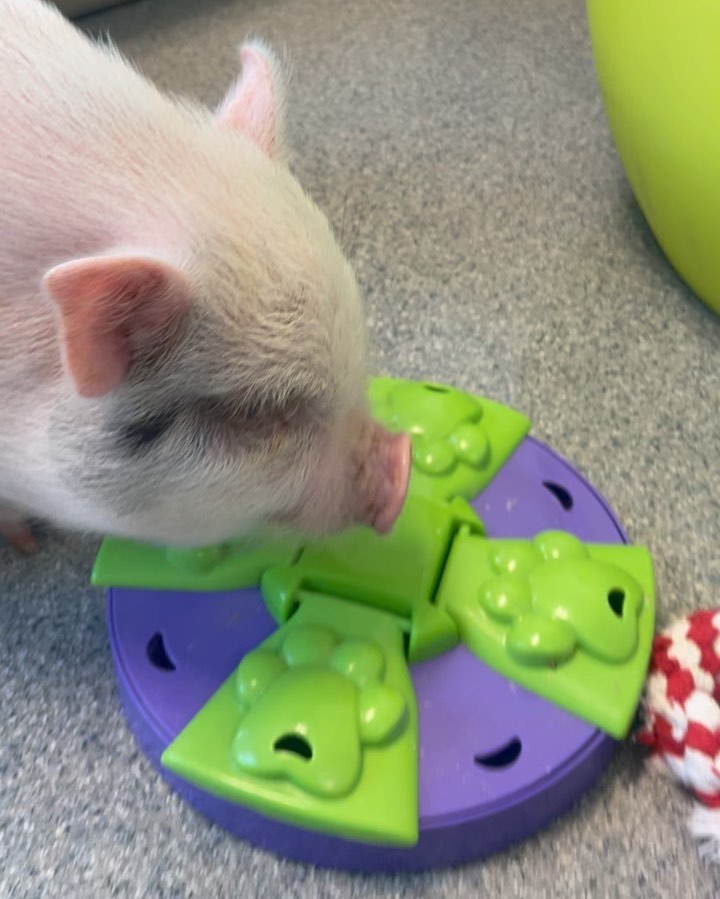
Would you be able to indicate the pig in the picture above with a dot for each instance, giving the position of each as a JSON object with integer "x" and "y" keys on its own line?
{"x": 183, "y": 345}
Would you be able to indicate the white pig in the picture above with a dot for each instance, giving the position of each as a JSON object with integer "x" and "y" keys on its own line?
{"x": 182, "y": 343}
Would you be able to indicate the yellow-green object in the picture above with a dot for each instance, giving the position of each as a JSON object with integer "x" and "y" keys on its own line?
{"x": 317, "y": 727}
{"x": 658, "y": 66}
{"x": 572, "y": 622}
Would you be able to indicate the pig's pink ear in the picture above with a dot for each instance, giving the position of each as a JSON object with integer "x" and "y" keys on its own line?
{"x": 109, "y": 307}
{"x": 254, "y": 104}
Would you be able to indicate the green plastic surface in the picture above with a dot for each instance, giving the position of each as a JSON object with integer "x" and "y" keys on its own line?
{"x": 317, "y": 727}
{"x": 460, "y": 442}
{"x": 398, "y": 573}
{"x": 231, "y": 566}
{"x": 569, "y": 621}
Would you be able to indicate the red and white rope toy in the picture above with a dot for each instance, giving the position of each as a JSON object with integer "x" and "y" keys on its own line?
{"x": 681, "y": 707}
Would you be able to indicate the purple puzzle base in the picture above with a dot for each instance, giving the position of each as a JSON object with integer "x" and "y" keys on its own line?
{"x": 497, "y": 763}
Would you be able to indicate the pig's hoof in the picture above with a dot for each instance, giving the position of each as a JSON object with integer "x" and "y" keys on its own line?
{"x": 20, "y": 537}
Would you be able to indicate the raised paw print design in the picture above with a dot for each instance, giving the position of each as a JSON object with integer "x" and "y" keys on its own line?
{"x": 310, "y": 708}
{"x": 556, "y": 598}
{"x": 459, "y": 441}
{"x": 444, "y": 423}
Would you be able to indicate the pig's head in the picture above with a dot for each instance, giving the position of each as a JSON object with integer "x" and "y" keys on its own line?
{"x": 218, "y": 377}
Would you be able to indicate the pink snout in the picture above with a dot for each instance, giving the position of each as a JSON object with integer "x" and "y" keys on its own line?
{"x": 361, "y": 480}
{"x": 384, "y": 478}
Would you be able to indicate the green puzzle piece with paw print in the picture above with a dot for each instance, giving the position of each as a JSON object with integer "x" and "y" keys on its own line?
{"x": 228, "y": 566}
{"x": 315, "y": 725}
{"x": 572, "y": 622}
{"x": 459, "y": 441}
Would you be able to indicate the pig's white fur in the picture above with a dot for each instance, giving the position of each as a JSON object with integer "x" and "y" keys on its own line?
{"x": 93, "y": 160}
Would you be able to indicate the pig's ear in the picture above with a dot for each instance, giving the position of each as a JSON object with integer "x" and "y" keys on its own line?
{"x": 109, "y": 307}
{"x": 254, "y": 105}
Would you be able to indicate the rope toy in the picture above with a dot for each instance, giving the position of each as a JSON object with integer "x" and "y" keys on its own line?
{"x": 681, "y": 710}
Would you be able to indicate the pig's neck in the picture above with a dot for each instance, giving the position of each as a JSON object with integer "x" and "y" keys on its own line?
{"x": 31, "y": 381}
{"x": 29, "y": 355}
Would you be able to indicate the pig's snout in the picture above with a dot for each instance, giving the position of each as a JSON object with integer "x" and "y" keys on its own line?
{"x": 360, "y": 478}
{"x": 383, "y": 478}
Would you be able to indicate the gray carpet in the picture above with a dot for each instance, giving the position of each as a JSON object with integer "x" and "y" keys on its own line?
{"x": 461, "y": 148}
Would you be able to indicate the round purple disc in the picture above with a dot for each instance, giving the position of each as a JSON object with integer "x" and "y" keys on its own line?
{"x": 496, "y": 762}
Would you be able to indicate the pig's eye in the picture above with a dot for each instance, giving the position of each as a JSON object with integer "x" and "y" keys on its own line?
{"x": 141, "y": 435}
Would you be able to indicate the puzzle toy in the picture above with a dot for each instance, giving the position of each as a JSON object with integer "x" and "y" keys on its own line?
{"x": 331, "y": 700}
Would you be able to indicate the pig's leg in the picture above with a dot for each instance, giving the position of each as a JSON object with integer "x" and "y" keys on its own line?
{"x": 16, "y": 531}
